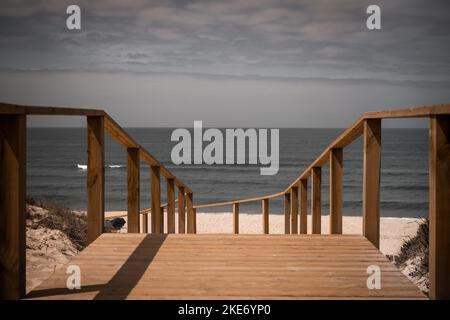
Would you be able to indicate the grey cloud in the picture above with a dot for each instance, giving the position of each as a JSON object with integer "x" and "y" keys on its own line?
{"x": 312, "y": 38}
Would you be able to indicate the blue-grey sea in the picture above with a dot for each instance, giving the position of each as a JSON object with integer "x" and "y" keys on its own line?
{"x": 55, "y": 153}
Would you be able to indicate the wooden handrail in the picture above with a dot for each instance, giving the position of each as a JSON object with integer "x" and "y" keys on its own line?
{"x": 13, "y": 186}
{"x": 347, "y": 137}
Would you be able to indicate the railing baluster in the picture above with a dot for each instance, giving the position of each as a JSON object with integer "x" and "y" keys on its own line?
{"x": 336, "y": 191}
{"x": 287, "y": 213}
{"x": 190, "y": 213}
{"x": 156, "y": 199}
{"x": 95, "y": 177}
{"x": 371, "y": 180}
{"x": 316, "y": 199}
{"x": 170, "y": 205}
{"x": 439, "y": 194}
{"x": 133, "y": 170}
{"x": 303, "y": 206}
{"x": 145, "y": 223}
{"x": 236, "y": 218}
{"x": 294, "y": 210}
{"x": 13, "y": 131}
{"x": 161, "y": 219}
{"x": 181, "y": 211}
{"x": 265, "y": 214}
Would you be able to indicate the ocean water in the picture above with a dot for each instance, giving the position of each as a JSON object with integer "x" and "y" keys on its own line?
{"x": 56, "y": 157}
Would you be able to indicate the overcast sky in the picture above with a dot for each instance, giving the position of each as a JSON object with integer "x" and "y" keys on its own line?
{"x": 270, "y": 63}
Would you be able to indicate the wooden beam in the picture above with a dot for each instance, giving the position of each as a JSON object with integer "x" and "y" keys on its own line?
{"x": 236, "y": 218}
{"x": 303, "y": 206}
{"x": 265, "y": 214}
{"x": 13, "y": 133}
{"x": 145, "y": 223}
{"x": 156, "y": 199}
{"x": 7, "y": 108}
{"x": 316, "y": 199}
{"x": 287, "y": 213}
{"x": 181, "y": 211}
{"x": 190, "y": 212}
{"x": 439, "y": 184}
{"x": 336, "y": 204}
{"x": 133, "y": 181}
{"x": 294, "y": 210}
{"x": 161, "y": 219}
{"x": 170, "y": 206}
{"x": 95, "y": 177}
{"x": 371, "y": 181}
{"x": 194, "y": 211}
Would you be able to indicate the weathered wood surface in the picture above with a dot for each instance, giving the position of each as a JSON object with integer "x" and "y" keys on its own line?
{"x": 95, "y": 177}
{"x": 439, "y": 183}
{"x": 175, "y": 266}
{"x": 371, "y": 180}
{"x": 13, "y": 134}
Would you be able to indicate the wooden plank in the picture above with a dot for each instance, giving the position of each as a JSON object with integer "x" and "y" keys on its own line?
{"x": 156, "y": 199}
{"x": 245, "y": 200}
{"x": 190, "y": 212}
{"x": 294, "y": 210}
{"x": 6, "y": 108}
{"x": 371, "y": 180}
{"x": 161, "y": 219}
{"x": 439, "y": 194}
{"x": 316, "y": 199}
{"x": 304, "y": 206}
{"x": 194, "y": 212}
{"x": 416, "y": 112}
{"x": 287, "y": 213}
{"x": 13, "y": 139}
{"x": 144, "y": 222}
{"x": 265, "y": 215}
{"x": 95, "y": 177}
{"x": 336, "y": 204}
{"x": 235, "y": 218}
{"x": 170, "y": 206}
{"x": 181, "y": 211}
{"x": 133, "y": 183}
{"x": 229, "y": 267}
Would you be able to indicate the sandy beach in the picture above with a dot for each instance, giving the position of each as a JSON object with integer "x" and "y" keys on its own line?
{"x": 393, "y": 230}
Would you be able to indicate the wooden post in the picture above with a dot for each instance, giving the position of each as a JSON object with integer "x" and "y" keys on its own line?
{"x": 13, "y": 131}
{"x": 287, "y": 213}
{"x": 371, "y": 180}
{"x": 265, "y": 214}
{"x": 181, "y": 211}
{"x": 145, "y": 223}
{"x": 194, "y": 212}
{"x": 316, "y": 199}
{"x": 156, "y": 199}
{"x": 294, "y": 210}
{"x": 190, "y": 213}
{"x": 161, "y": 219}
{"x": 133, "y": 173}
{"x": 336, "y": 171}
{"x": 236, "y": 218}
{"x": 95, "y": 177}
{"x": 439, "y": 184}
{"x": 303, "y": 206}
{"x": 170, "y": 206}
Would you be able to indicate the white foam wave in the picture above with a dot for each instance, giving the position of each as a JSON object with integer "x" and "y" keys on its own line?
{"x": 113, "y": 166}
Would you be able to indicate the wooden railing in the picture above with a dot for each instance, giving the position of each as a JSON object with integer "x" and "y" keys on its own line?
{"x": 12, "y": 188}
{"x": 13, "y": 119}
{"x": 369, "y": 126}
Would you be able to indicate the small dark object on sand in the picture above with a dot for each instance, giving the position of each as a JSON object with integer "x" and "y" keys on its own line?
{"x": 118, "y": 223}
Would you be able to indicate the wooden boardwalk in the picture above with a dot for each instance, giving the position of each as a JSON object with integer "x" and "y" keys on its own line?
{"x": 192, "y": 266}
